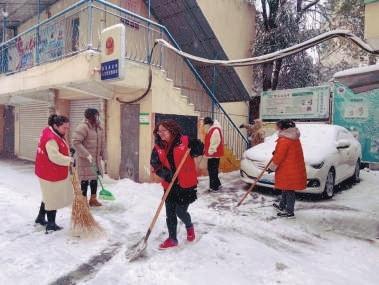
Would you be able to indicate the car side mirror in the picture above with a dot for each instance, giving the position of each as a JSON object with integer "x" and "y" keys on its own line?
{"x": 341, "y": 144}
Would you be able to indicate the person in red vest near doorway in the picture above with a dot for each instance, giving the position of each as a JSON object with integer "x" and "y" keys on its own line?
{"x": 169, "y": 149}
{"x": 51, "y": 167}
{"x": 213, "y": 150}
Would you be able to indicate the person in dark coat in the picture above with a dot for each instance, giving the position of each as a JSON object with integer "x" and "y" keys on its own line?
{"x": 169, "y": 149}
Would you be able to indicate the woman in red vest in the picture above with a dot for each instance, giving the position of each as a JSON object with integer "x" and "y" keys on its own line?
{"x": 170, "y": 147}
{"x": 289, "y": 166}
{"x": 214, "y": 150}
{"x": 51, "y": 166}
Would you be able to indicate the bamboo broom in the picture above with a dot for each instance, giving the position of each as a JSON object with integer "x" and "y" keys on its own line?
{"x": 82, "y": 222}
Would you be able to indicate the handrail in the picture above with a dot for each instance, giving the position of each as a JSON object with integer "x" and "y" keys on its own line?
{"x": 64, "y": 11}
{"x": 111, "y": 5}
{"x": 204, "y": 84}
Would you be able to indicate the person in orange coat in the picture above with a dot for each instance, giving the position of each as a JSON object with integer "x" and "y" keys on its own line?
{"x": 289, "y": 166}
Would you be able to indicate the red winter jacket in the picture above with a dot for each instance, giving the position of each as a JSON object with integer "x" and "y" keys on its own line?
{"x": 288, "y": 161}
{"x": 187, "y": 177}
{"x": 44, "y": 168}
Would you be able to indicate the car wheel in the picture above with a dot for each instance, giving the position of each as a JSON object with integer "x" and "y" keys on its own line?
{"x": 355, "y": 178}
{"x": 329, "y": 185}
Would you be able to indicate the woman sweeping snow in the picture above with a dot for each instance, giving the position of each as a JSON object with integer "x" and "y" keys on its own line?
{"x": 288, "y": 164}
{"x": 51, "y": 166}
{"x": 170, "y": 147}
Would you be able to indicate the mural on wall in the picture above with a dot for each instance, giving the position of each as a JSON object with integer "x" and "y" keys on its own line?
{"x": 22, "y": 53}
{"x": 359, "y": 114}
{"x": 51, "y": 41}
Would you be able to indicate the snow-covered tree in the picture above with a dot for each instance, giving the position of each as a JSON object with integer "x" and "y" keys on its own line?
{"x": 281, "y": 24}
{"x": 339, "y": 54}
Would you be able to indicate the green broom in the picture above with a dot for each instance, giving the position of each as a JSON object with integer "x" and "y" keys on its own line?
{"x": 104, "y": 193}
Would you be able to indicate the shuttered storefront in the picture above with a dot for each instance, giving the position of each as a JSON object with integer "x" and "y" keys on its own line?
{"x": 77, "y": 108}
{"x": 33, "y": 119}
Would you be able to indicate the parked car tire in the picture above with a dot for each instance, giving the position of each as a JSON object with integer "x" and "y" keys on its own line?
{"x": 329, "y": 185}
{"x": 355, "y": 178}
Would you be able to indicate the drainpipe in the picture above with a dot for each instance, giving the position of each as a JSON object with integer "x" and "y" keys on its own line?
{"x": 214, "y": 86}
{"x": 148, "y": 33}
{"x": 90, "y": 39}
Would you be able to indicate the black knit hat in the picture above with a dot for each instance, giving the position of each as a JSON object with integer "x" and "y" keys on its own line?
{"x": 90, "y": 113}
{"x": 208, "y": 121}
{"x": 285, "y": 124}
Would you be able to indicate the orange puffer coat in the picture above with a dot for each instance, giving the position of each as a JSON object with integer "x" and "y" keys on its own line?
{"x": 288, "y": 161}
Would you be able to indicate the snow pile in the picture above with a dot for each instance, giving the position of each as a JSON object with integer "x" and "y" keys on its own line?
{"x": 329, "y": 242}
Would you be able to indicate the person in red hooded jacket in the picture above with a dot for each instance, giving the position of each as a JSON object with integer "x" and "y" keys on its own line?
{"x": 169, "y": 149}
{"x": 289, "y": 166}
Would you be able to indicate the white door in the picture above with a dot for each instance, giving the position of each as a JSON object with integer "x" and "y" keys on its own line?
{"x": 77, "y": 108}
{"x": 33, "y": 119}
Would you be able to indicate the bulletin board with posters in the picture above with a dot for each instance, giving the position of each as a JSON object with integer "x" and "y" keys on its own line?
{"x": 310, "y": 103}
{"x": 359, "y": 114}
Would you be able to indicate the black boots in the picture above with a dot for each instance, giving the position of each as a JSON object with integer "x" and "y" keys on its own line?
{"x": 51, "y": 225}
{"x": 41, "y": 215}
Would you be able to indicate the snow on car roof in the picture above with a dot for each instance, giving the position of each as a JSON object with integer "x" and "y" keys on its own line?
{"x": 317, "y": 140}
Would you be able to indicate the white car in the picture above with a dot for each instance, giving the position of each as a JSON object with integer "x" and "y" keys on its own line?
{"x": 331, "y": 155}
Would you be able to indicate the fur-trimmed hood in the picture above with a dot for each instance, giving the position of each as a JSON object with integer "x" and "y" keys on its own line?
{"x": 291, "y": 133}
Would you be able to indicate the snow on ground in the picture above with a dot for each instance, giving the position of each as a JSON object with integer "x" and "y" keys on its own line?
{"x": 329, "y": 242}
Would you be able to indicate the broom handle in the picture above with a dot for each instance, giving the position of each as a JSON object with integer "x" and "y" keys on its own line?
{"x": 255, "y": 182}
{"x": 94, "y": 170}
{"x": 166, "y": 194}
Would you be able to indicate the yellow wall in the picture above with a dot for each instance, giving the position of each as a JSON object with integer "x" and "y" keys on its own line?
{"x": 233, "y": 22}
{"x": 237, "y": 111}
{"x": 372, "y": 24}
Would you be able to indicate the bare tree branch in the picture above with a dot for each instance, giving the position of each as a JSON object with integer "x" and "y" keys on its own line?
{"x": 264, "y": 13}
{"x": 309, "y": 5}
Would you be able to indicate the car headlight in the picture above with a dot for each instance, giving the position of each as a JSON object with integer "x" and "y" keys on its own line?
{"x": 318, "y": 165}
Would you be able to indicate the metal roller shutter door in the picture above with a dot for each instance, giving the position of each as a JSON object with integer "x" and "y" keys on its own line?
{"x": 77, "y": 108}
{"x": 33, "y": 119}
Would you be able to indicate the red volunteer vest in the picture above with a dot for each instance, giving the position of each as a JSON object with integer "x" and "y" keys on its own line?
{"x": 220, "y": 149}
{"x": 187, "y": 177}
{"x": 44, "y": 167}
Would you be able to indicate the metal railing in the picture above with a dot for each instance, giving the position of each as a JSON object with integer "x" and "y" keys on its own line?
{"x": 78, "y": 27}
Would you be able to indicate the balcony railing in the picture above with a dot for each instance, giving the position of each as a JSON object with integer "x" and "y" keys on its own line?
{"x": 78, "y": 28}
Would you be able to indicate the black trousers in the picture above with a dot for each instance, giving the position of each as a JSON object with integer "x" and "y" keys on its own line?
{"x": 214, "y": 181}
{"x": 174, "y": 210}
{"x": 287, "y": 201}
{"x": 92, "y": 184}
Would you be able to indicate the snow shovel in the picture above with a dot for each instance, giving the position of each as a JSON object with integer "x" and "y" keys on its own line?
{"x": 255, "y": 182}
{"x": 137, "y": 250}
{"x": 104, "y": 193}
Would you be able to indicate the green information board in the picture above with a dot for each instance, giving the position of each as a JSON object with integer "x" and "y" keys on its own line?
{"x": 359, "y": 113}
{"x": 310, "y": 103}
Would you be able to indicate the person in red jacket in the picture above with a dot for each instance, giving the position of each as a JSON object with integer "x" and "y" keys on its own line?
{"x": 214, "y": 150}
{"x": 51, "y": 167}
{"x": 169, "y": 149}
{"x": 288, "y": 164}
